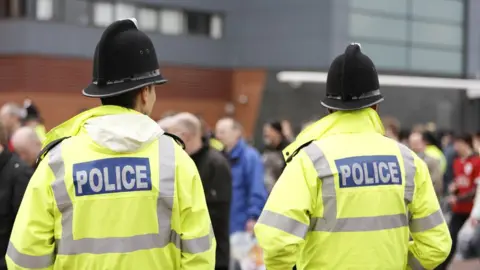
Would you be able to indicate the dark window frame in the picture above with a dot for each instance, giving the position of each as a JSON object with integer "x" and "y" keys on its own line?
{"x": 408, "y": 44}
{"x": 203, "y": 30}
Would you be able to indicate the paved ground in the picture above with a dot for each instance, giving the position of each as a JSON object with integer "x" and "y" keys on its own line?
{"x": 465, "y": 265}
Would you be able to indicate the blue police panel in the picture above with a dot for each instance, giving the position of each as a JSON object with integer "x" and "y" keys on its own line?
{"x": 368, "y": 171}
{"x": 112, "y": 175}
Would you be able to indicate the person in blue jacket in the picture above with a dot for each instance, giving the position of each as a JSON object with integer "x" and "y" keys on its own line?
{"x": 249, "y": 193}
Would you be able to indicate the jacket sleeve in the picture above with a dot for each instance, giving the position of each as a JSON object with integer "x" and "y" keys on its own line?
{"x": 436, "y": 175}
{"x": 257, "y": 194}
{"x": 22, "y": 177}
{"x": 284, "y": 222}
{"x": 476, "y": 204}
{"x": 221, "y": 179}
{"x": 32, "y": 242}
{"x": 431, "y": 237}
{"x": 197, "y": 240}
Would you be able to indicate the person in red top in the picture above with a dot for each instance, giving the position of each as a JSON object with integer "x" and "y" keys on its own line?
{"x": 466, "y": 171}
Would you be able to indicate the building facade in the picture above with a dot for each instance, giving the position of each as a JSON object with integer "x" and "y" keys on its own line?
{"x": 219, "y": 53}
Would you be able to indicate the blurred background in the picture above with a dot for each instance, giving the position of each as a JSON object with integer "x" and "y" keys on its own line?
{"x": 256, "y": 61}
{"x": 223, "y": 56}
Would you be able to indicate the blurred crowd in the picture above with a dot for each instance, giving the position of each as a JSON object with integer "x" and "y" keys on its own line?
{"x": 454, "y": 164}
{"x": 237, "y": 177}
{"x": 453, "y": 161}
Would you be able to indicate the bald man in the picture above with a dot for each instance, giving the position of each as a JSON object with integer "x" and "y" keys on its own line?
{"x": 418, "y": 145}
{"x": 165, "y": 123}
{"x": 216, "y": 178}
{"x": 27, "y": 145}
{"x": 12, "y": 115}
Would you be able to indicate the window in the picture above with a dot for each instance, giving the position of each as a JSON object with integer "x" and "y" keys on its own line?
{"x": 15, "y": 8}
{"x": 147, "y": 19}
{"x": 386, "y": 56}
{"x": 433, "y": 34}
{"x": 436, "y": 61}
{"x": 410, "y": 35}
{"x": 448, "y": 10}
{"x": 76, "y": 12}
{"x": 102, "y": 13}
{"x": 216, "y": 27}
{"x": 379, "y": 28}
{"x": 171, "y": 22}
{"x": 198, "y": 23}
{"x": 385, "y": 6}
{"x": 3, "y": 8}
{"x": 44, "y": 9}
{"x": 124, "y": 11}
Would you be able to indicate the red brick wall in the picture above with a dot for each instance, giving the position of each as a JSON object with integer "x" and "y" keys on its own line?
{"x": 55, "y": 85}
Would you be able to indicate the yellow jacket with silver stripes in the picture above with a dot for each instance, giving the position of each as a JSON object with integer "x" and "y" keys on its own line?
{"x": 41, "y": 132}
{"x": 351, "y": 199}
{"x": 117, "y": 194}
{"x": 436, "y": 153}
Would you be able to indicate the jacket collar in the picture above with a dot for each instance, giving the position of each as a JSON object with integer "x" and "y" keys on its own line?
{"x": 340, "y": 122}
{"x": 238, "y": 149}
{"x": 73, "y": 126}
{"x": 203, "y": 150}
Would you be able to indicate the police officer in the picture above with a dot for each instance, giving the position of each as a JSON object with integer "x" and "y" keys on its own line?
{"x": 113, "y": 191}
{"x": 350, "y": 197}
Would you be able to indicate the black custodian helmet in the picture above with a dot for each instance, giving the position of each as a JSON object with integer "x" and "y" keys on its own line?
{"x": 352, "y": 81}
{"x": 125, "y": 60}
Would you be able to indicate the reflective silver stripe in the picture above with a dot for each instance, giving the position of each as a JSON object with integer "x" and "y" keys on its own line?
{"x": 197, "y": 245}
{"x": 414, "y": 263}
{"x": 29, "y": 261}
{"x": 427, "y": 223}
{"x": 410, "y": 171}
{"x": 330, "y": 222}
{"x": 283, "y": 223}
{"x": 363, "y": 224}
{"x": 329, "y": 196}
{"x": 69, "y": 246}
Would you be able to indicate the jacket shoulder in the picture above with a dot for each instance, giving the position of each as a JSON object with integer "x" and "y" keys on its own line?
{"x": 17, "y": 168}
{"x": 217, "y": 157}
{"x": 252, "y": 153}
{"x": 296, "y": 151}
{"x": 176, "y": 139}
{"x": 48, "y": 148}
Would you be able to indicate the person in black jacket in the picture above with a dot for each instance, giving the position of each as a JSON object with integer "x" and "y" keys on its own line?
{"x": 14, "y": 178}
{"x": 274, "y": 141}
{"x": 216, "y": 178}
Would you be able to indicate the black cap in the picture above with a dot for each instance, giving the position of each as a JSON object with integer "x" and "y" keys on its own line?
{"x": 32, "y": 110}
{"x": 352, "y": 81}
{"x": 277, "y": 126}
{"x": 124, "y": 60}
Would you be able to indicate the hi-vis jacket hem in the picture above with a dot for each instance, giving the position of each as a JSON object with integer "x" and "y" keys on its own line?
{"x": 67, "y": 245}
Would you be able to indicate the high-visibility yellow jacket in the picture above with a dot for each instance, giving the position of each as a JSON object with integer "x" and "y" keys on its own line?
{"x": 350, "y": 200}
{"x": 118, "y": 194}
{"x": 216, "y": 144}
{"x": 434, "y": 152}
{"x": 41, "y": 132}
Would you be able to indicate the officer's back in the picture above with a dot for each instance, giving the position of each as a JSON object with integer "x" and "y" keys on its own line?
{"x": 113, "y": 191}
{"x": 349, "y": 197}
